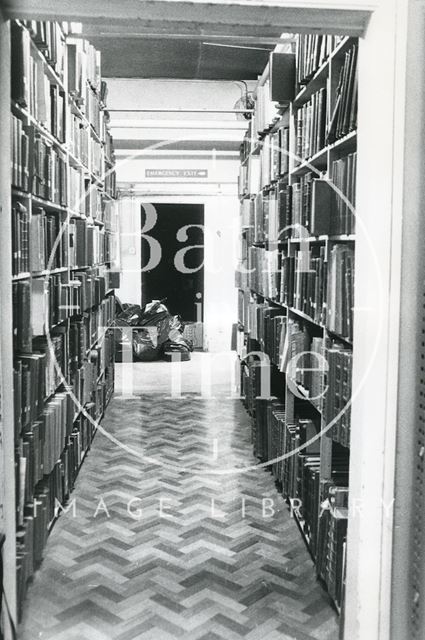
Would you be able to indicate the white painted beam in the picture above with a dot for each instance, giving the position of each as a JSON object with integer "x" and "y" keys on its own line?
{"x": 161, "y": 153}
{"x": 332, "y": 16}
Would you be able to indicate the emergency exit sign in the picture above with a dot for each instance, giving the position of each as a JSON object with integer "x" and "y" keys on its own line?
{"x": 176, "y": 173}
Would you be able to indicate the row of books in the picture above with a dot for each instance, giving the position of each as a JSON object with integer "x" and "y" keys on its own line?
{"x": 42, "y": 445}
{"x": 51, "y": 492}
{"x": 304, "y": 363}
{"x": 343, "y": 176}
{"x": 46, "y": 174}
{"x": 340, "y": 296}
{"x": 32, "y": 88}
{"x": 311, "y": 126}
{"x": 86, "y": 244}
{"x": 311, "y": 53}
{"x": 48, "y": 363}
{"x": 50, "y": 301}
{"x": 321, "y": 289}
{"x": 332, "y": 538}
{"x": 49, "y": 39}
{"x": 48, "y": 171}
{"x": 250, "y": 177}
{"x": 264, "y": 324}
{"x": 274, "y": 439}
{"x": 79, "y": 139}
{"x": 344, "y": 113}
{"x": 20, "y": 154}
{"x": 37, "y": 91}
{"x": 44, "y": 241}
{"x": 97, "y": 160}
{"x": 338, "y": 395}
{"x": 20, "y": 237}
{"x": 108, "y": 142}
{"x": 310, "y": 282}
{"x": 311, "y": 207}
{"x": 44, "y": 438}
{"x": 263, "y": 275}
{"x": 48, "y": 246}
{"x": 272, "y": 327}
{"x": 84, "y": 68}
{"x": 61, "y": 377}
{"x": 274, "y": 156}
{"x": 110, "y": 182}
{"x": 47, "y": 101}
{"x": 77, "y": 190}
{"x": 92, "y": 108}
{"x": 91, "y": 386}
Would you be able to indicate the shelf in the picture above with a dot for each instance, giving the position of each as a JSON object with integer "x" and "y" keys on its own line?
{"x": 342, "y": 47}
{"x": 47, "y": 204}
{"x": 305, "y": 393}
{"x": 324, "y": 238}
{"x": 40, "y": 129}
{"x": 54, "y": 77}
{"x": 95, "y": 179}
{"x": 74, "y": 214}
{"x": 315, "y": 164}
{"x": 335, "y": 335}
{"x": 321, "y": 238}
{"x": 18, "y": 193}
{"x": 21, "y": 276}
{"x": 58, "y": 324}
{"x": 304, "y": 316}
{"x": 316, "y": 82}
{"x": 76, "y": 162}
{"x": 301, "y": 524}
{"x": 301, "y": 315}
{"x": 47, "y": 272}
{"x": 345, "y": 144}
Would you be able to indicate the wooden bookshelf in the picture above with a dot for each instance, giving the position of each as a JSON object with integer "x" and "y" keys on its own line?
{"x": 84, "y": 289}
{"x": 309, "y": 309}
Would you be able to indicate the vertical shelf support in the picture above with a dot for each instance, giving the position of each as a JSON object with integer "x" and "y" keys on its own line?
{"x": 7, "y": 408}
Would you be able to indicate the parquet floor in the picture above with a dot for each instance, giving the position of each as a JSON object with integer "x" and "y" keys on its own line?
{"x": 173, "y": 543}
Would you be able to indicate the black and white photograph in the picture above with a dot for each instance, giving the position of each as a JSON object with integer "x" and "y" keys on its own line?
{"x": 212, "y": 295}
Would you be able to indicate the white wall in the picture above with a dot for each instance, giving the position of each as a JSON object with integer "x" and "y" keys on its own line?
{"x": 139, "y": 93}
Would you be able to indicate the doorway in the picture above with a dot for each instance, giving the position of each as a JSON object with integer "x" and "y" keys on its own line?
{"x": 177, "y": 272}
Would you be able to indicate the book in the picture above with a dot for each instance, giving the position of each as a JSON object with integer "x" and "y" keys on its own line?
{"x": 312, "y": 51}
{"x": 20, "y": 154}
{"x": 343, "y": 176}
{"x": 340, "y": 291}
{"x": 310, "y": 126}
{"x": 344, "y": 113}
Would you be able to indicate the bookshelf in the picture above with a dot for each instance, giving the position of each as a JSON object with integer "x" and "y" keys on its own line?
{"x": 62, "y": 264}
{"x": 296, "y": 290}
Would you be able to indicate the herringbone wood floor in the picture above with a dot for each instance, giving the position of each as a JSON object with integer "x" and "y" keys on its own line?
{"x": 207, "y": 569}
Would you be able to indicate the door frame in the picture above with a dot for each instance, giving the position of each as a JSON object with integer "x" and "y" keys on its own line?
{"x": 388, "y": 109}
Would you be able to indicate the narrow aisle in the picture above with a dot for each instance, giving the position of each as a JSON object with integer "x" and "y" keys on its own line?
{"x": 177, "y": 544}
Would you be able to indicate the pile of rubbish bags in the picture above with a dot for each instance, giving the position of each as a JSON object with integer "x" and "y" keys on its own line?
{"x": 154, "y": 333}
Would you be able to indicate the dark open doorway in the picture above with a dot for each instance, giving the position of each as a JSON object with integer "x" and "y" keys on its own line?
{"x": 178, "y": 275}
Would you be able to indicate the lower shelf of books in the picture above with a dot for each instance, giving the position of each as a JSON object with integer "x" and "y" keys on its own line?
{"x": 291, "y": 445}
{"x": 44, "y": 497}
